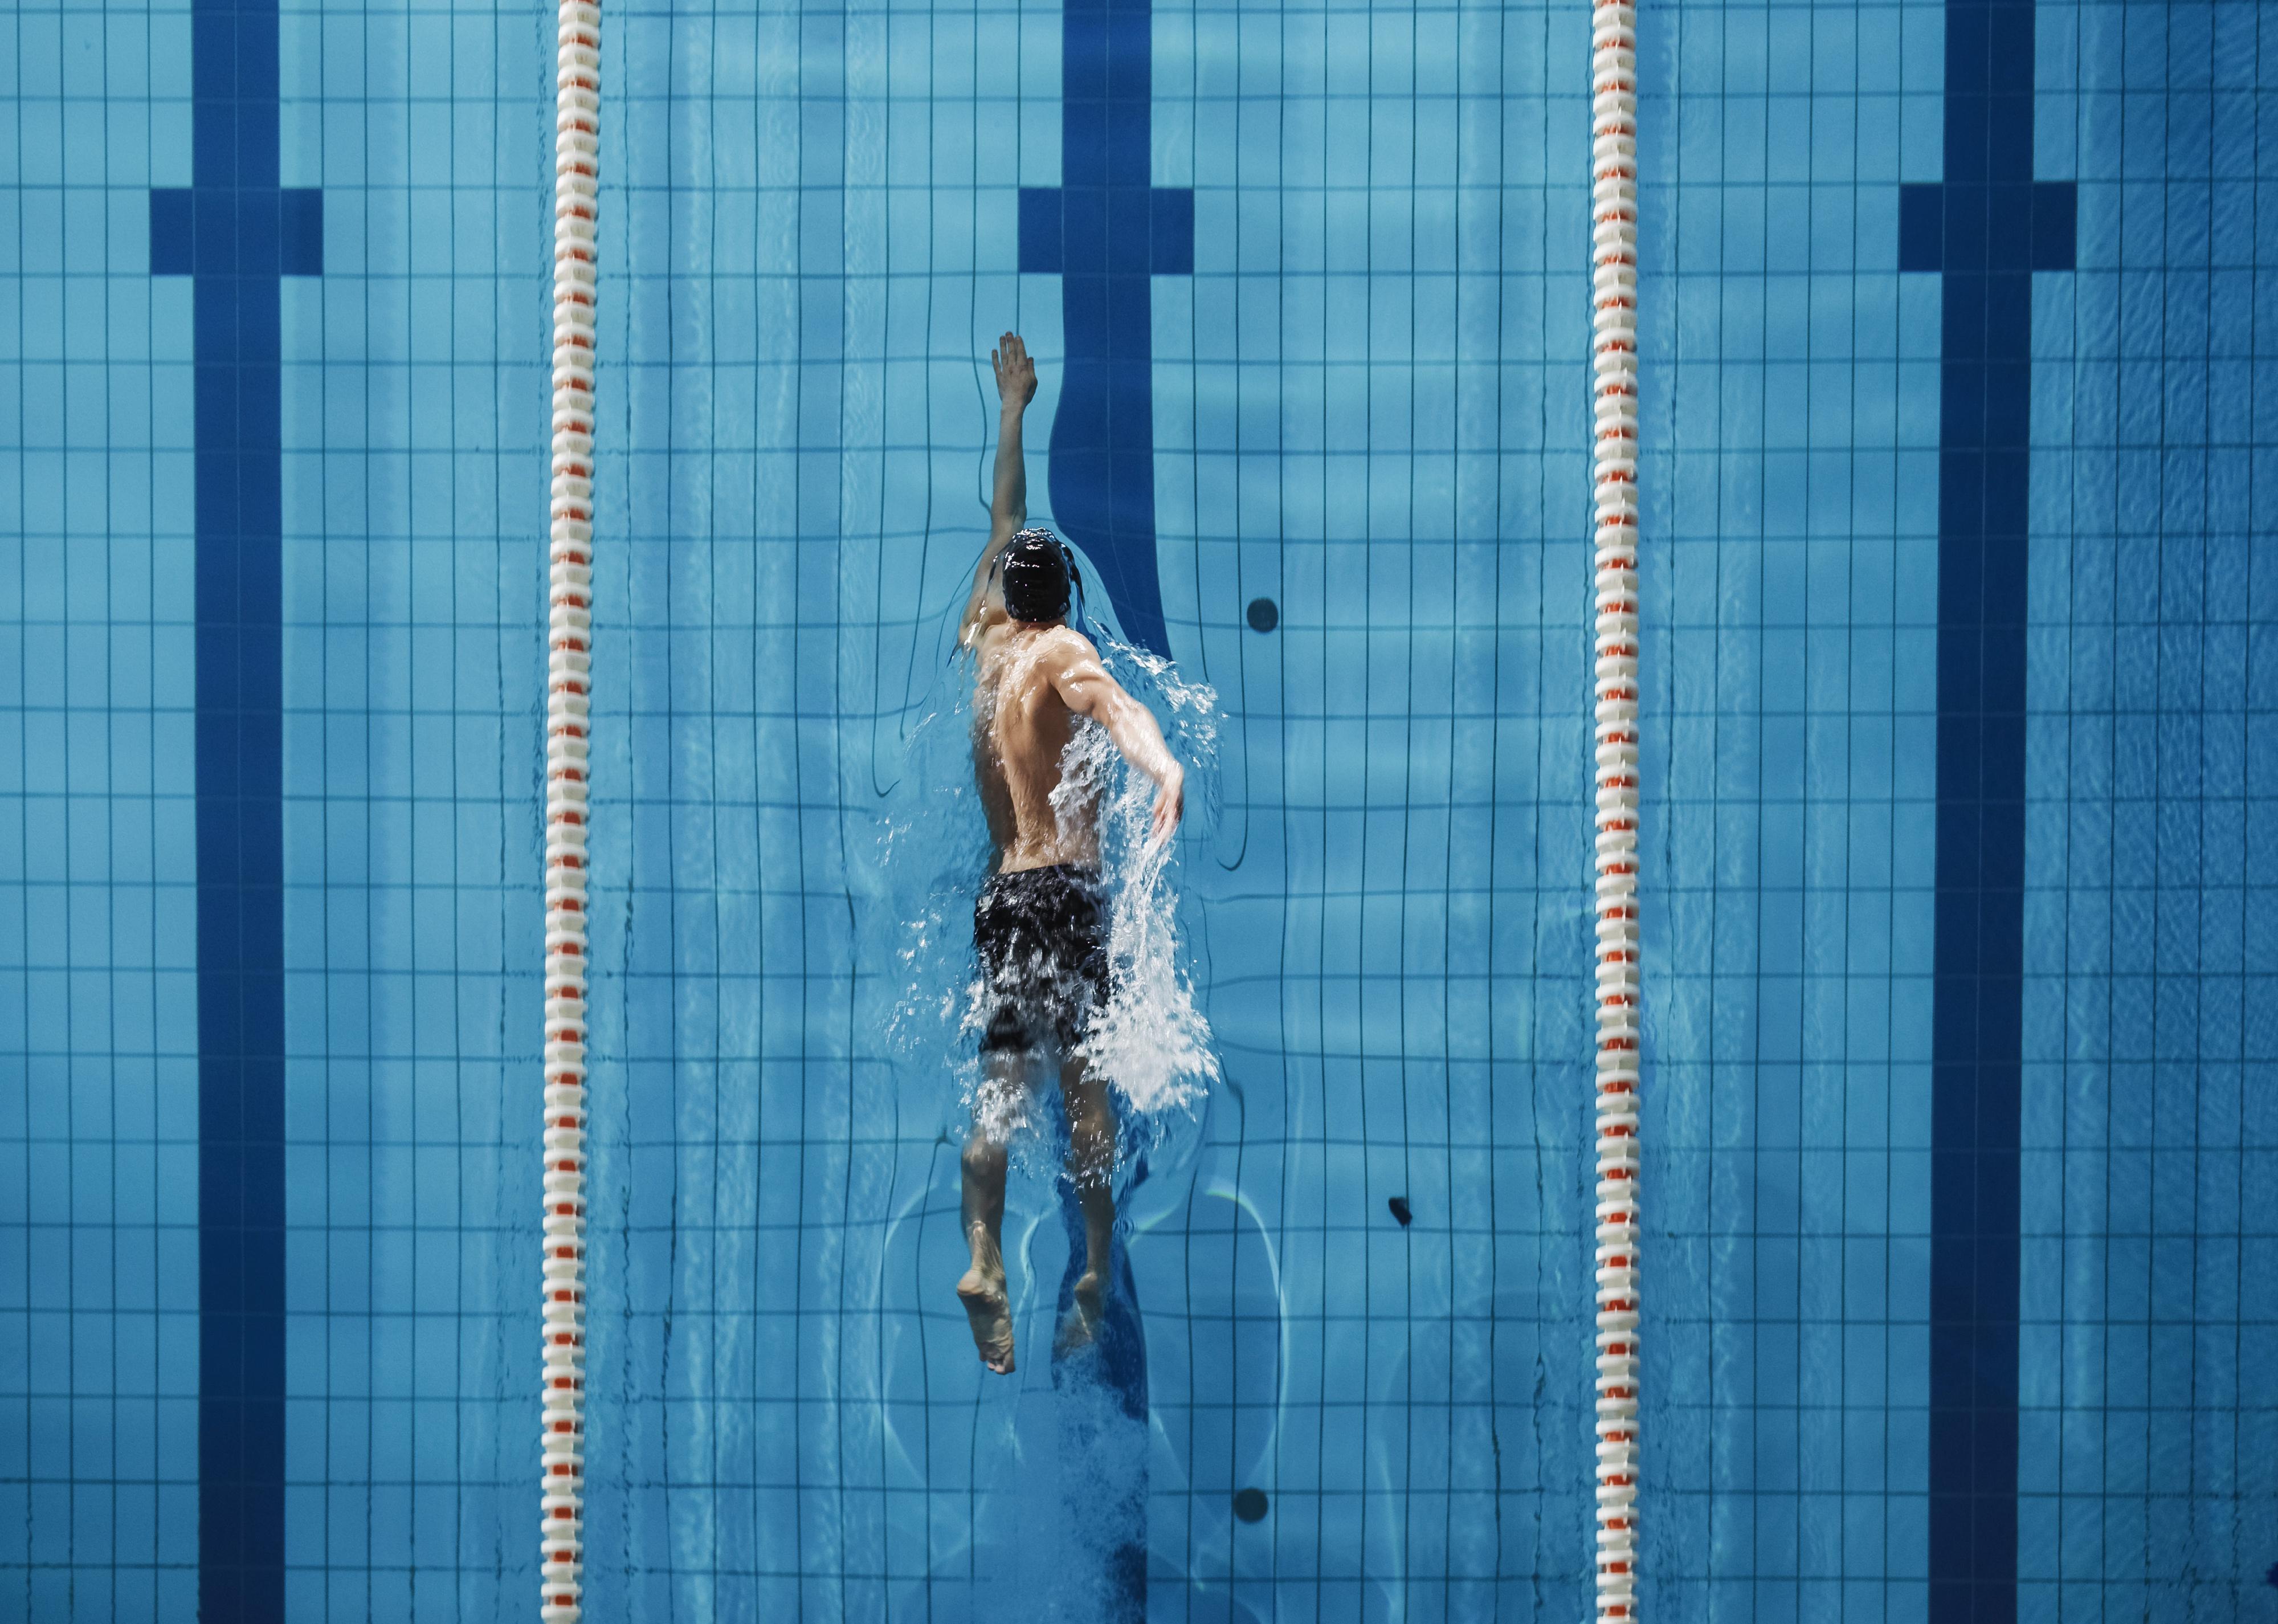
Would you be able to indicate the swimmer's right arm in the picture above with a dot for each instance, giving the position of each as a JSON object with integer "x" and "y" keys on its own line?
{"x": 1008, "y": 510}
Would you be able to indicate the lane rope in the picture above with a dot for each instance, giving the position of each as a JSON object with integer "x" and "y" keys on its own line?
{"x": 569, "y": 669}
{"x": 1613, "y": 199}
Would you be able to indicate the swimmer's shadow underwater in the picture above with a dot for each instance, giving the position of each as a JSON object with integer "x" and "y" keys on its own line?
{"x": 1066, "y": 1459}
{"x": 1061, "y": 1449}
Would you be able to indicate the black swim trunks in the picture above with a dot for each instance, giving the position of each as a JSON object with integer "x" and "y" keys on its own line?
{"x": 1041, "y": 934}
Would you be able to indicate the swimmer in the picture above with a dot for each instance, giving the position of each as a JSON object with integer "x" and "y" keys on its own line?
{"x": 1040, "y": 926}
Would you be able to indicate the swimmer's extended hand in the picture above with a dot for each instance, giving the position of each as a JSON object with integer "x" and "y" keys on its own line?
{"x": 1170, "y": 804}
{"x": 1008, "y": 506}
{"x": 1016, "y": 374}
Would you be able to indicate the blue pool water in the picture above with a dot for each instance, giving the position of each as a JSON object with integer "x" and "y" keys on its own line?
{"x": 1959, "y": 1284}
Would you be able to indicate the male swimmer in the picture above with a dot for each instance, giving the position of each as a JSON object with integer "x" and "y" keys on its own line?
{"x": 1040, "y": 926}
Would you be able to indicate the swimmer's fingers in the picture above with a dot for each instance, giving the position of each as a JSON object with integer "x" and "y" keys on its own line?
{"x": 1016, "y": 374}
{"x": 1170, "y": 806}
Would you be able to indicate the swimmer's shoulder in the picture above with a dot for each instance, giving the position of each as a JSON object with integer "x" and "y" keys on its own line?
{"x": 985, "y": 644}
{"x": 1049, "y": 655}
{"x": 1069, "y": 646}
{"x": 1072, "y": 668}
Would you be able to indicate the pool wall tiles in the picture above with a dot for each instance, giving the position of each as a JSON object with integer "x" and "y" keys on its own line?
{"x": 2145, "y": 1428}
{"x": 98, "y": 1456}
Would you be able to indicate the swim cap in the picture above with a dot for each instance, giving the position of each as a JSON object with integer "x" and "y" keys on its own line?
{"x": 1036, "y": 577}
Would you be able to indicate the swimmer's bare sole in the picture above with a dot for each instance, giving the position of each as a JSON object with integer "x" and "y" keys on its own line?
{"x": 990, "y": 1311}
{"x": 1080, "y": 1326}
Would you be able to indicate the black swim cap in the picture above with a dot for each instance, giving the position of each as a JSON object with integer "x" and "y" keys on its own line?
{"x": 1036, "y": 577}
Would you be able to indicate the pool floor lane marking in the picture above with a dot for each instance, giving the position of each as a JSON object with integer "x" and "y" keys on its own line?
{"x": 1107, "y": 232}
{"x": 1986, "y": 228}
{"x": 235, "y": 232}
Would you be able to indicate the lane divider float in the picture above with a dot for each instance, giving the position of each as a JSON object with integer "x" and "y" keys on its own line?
{"x": 568, "y": 669}
{"x": 1613, "y": 292}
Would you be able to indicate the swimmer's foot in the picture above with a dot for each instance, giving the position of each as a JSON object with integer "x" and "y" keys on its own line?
{"x": 1080, "y": 1326}
{"x": 989, "y": 1310}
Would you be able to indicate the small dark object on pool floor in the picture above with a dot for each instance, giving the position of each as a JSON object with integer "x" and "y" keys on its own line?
{"x": 1249, "y": 1505}
{"x": 1263, "y": 616}
{"x": 1400, "y": 1210}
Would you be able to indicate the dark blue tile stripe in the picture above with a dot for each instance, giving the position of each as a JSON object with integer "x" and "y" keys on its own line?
{"x": 1106, "y": 231}
{"x": 1987, "y": 228}
{"x": 236, "y": 231}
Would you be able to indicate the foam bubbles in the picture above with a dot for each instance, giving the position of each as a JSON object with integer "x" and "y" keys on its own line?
{"x": 1152, "y": 1041}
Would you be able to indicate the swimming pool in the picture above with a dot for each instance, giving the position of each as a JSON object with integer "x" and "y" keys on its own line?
{"x": 1956, "y": 684}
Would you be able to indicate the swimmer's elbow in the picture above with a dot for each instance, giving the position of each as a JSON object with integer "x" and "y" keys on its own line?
{"x": 1125, "y": 719}
{"x": 1085, "y": 698}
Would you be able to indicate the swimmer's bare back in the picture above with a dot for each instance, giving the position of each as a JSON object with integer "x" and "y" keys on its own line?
{"x": 1021, "y": 730}
{"x": 1032, "y": 682}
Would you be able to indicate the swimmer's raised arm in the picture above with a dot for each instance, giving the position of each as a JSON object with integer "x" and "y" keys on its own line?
{"x": 1008, "y": 509}
{"x": 1016, "y": 387}
{"x": 1085, "y": 687}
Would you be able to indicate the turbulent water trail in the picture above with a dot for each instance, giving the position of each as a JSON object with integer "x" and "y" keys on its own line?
{"x": 1151, "y": 1040}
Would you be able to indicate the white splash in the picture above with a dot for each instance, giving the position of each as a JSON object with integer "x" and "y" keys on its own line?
{"x": 1151, "y": 1041}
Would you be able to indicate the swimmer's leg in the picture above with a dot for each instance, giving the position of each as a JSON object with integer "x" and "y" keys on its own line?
{"x": 988, "y": 1305}
{"x": 1091, "y": 1163}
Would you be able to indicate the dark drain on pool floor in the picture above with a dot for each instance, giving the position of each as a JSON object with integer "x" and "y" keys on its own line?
{"x": 1249, "y": 1505}
{"x": 1264, "y": 617}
